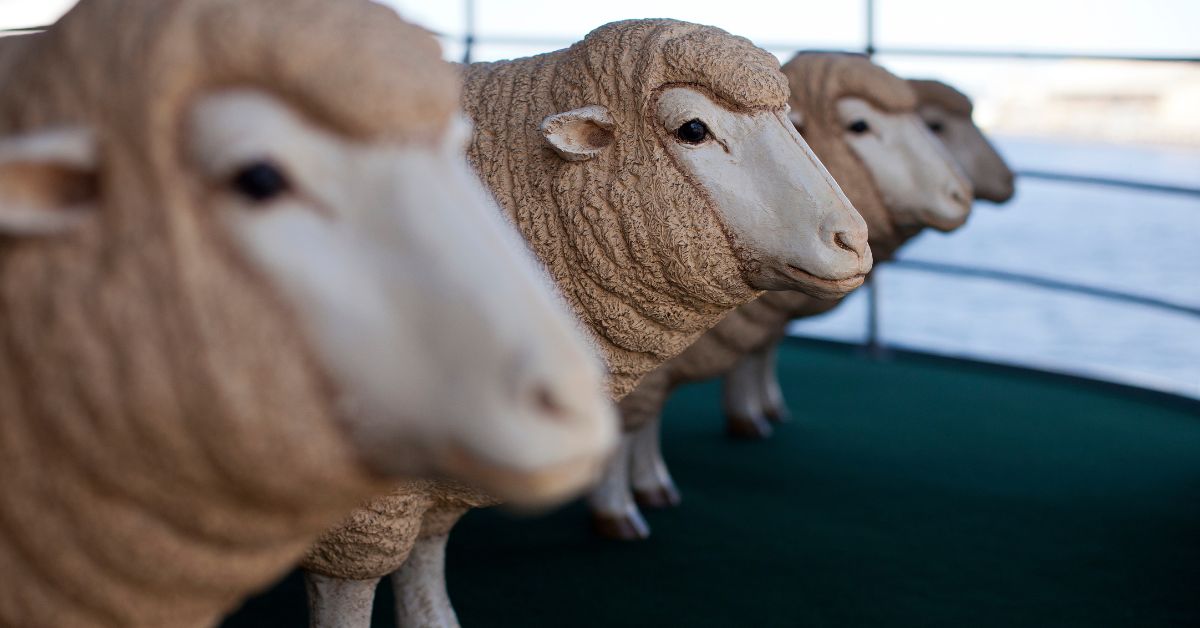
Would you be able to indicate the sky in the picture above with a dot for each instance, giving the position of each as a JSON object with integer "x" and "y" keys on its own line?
{"x": 22, "y": 13}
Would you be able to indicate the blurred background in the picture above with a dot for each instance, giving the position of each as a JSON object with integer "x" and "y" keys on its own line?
{"x": 1099, "y": 278}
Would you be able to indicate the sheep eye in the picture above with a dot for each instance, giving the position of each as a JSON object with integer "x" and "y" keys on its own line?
{"x": 260, "y": 182}
{"x": 692, "y": 132}
{"x": 858, "y": 127}
{"x": 936, "y": 127}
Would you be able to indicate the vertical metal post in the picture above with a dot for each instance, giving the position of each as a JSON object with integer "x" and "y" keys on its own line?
{"x": 870, "y": 28}
{"x": 469, "y": 33}
{"x": 874, "y": 342}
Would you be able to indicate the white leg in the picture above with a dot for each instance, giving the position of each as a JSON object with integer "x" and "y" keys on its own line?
{"x": 614, "y": 513}
{"x": 744, "y": 417}
{"x": 652, "y": 483}
{"x": 774, "y": 405}
{"x": 420, "y": 587}
{"x": 339, "y": 603}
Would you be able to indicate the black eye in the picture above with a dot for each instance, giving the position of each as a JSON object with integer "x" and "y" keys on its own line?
{"x": 260, "y": 182}
{"x": 692, "y": 132}
{"x": 936, "y": 127}
{"x": 858, "y": 127}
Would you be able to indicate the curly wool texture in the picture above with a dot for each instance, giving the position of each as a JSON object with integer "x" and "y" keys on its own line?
{"x": 168, "y": 443}
{"x": 633, "y": 242}
{"x": 379, "y": 536}
{"x": 818, "y": 81}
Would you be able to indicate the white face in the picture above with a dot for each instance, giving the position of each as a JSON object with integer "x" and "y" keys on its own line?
{"x": 991, "y": 177}
{"x": 918, "y": 181}
{"x": 450, "y": 350}
{"x": 772, "y": 192}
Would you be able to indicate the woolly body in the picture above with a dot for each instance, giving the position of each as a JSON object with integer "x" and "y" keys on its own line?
{"x": 172, "y": 438}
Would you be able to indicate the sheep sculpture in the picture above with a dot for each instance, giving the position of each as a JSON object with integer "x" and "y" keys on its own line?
{"x": 233, "y": 306}
{"x": 654, "y": 186}
{"x": 947, "y": 112}
{"x": 652, "y": 169}
{"x": 753, "y": 390}
{"x": 862, "y": 122}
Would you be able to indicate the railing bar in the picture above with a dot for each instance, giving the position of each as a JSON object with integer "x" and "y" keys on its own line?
{"x": 870, "y": 9}
{"x": 469, "y": 35}
{"x": 1108, "y": 181}
{"x": 547, "y": 40}
{"x": 1030, "y": 55}
{"x": 1043, "y": 282}
{"x": 874, "y": 340}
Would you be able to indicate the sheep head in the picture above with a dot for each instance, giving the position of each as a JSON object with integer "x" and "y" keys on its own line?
{"x": 861, "y": 120}
{"x": 693, "y": 119}
{"x": 263, "y": 223}
{"x": 947, "y": 113}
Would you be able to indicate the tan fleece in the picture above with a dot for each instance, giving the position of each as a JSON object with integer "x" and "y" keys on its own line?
{"x": 167, "y": 442}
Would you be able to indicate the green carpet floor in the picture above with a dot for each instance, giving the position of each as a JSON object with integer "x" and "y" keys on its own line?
{"x": 916, "y": 491}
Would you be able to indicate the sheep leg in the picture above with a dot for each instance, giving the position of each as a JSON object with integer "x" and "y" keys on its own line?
{"x": 422, "y": 600}
{"x": 652, "y": 483}
{"x": 744, "y": 416}
{"x": 615, "y": 515}
{"x": 775, "y": 407}
{"x": 339, "y": 602}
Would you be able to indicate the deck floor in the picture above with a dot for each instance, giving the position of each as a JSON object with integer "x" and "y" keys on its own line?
{"x": 916, "y": 491}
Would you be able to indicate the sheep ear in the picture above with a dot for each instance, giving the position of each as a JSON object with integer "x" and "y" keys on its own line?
{"x": 579, "y": 134}
{"x": 796, "y": 117}
{"x": 48, "y": 181}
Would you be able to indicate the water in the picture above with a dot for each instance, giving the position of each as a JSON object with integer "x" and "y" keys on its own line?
{"x": 1138, "y": 242}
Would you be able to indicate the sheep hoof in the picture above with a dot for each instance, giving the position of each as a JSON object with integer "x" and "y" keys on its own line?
{"x": 778, "y": 415}
{"x": 658, "y": 497}
{"x": 625, "y": 527}
{"x": 748, "y": 428}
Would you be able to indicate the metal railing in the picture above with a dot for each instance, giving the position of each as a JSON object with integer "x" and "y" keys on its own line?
{"x": 1127, "y": 184}
{"x": 1045, "y": 282}
{"x": 874, "y": 341}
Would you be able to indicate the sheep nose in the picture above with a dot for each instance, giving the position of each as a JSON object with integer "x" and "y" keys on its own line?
{"x": 959, "y": 196}
{"x": 853, "y": 241}
{"x": 545, "y": 403}
{"x": 1010, "y": 181}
